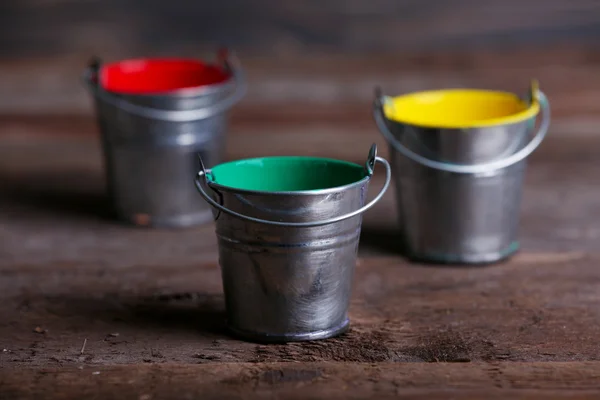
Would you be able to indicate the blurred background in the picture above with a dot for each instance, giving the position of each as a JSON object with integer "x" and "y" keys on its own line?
{"x": 311, "y": 68}
{"x": 310, "y": 64}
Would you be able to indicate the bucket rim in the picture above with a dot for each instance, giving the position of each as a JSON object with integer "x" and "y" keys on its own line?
{"x": 529, "y": 111}
{"x": 190, "y": 91}
{"x": 315, "y": 192}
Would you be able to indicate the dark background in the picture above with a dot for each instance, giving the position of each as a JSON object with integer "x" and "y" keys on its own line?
{"x": 312, "y": 52}
{"x": 271, "y": 28}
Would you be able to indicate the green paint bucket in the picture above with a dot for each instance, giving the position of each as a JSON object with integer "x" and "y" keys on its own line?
{"x": 288, "y": 230}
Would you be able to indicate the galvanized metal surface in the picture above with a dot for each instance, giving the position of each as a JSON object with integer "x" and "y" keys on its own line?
{"x": 286, "y": 275}
{"x": 458, "y": 191}
{"x": 150, "y": 146}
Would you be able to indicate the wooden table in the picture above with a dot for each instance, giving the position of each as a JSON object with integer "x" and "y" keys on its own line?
{"x": 91, "y": 308}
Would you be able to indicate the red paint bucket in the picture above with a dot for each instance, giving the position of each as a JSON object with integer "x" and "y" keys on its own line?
{"x": 156, "y": 116}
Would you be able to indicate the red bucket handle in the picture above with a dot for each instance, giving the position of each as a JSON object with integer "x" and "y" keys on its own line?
{"x": 224, "y": 56}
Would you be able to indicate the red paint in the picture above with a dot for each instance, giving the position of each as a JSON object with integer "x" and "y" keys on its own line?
{"x": 155, "y": 76}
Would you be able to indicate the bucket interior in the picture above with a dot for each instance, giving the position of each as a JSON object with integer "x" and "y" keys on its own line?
{"x": 459, "y": 108}
{"x": 154, "y": 76}
{"x": 286, "y": 174}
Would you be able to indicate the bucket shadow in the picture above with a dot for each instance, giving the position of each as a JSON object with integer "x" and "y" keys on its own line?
{"x": 186, "y": 311}
{"x": 71, "y": 194}
{"x": 389, "y": 242}
{"x": 426, "y": 263}
{"x": 380, "y": 241}
{"x": 196, "y": 312}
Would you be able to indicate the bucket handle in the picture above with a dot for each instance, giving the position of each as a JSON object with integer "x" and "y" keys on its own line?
{"x": 534, "y": 94}
{"x": 370, "y": 166}
{"x": 90, "y": 78}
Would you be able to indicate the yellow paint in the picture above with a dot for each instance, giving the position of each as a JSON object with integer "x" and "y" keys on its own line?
{"x": 459, "y": 108}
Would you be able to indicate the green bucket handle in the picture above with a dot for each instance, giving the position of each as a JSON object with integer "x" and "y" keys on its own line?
{"x": 369, "y": 166}
{"x": 534, "y": 93}
{"x": 230, "y": 63}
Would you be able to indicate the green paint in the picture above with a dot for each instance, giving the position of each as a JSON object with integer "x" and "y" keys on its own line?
{"x": 286, "y": 174}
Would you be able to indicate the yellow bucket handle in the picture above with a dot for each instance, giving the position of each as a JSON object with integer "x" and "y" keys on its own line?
{"x": 535, "y": 95}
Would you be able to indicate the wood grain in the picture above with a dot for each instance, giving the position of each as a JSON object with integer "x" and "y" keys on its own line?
{"x": 319, "y": 53}
{"x": 149, "y": 303}
{"x": 335, "y": 86}
{"x": 53, "y": 191}
{"x": 70, "y": 270}
{"x": 269, "y": 27}
{"x": 526, "y": 310}
{"x": 572, "y": 380}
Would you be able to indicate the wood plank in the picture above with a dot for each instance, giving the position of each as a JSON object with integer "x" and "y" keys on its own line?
{"x": 54, "y": 198}
{"x": 148, "y": 303}
{"x": 567, "y": 73}
{"x": 311, "y": 380}
{"x": 270, "y": 27}
{"x": 528, "y": 309}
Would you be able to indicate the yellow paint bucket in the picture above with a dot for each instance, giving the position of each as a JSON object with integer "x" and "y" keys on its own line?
{"x": 459, "y": 157}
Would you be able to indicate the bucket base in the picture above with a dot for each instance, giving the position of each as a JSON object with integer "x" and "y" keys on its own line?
{"x": 473, "y": 259}
{"x": 179, "y": 221}
{"x": 291, "y": 337}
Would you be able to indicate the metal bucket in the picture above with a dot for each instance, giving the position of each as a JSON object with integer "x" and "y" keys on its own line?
{"x": 288, "y": 231}
{"x": 155, "y": 117}
{"x": 459, "y": 158}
